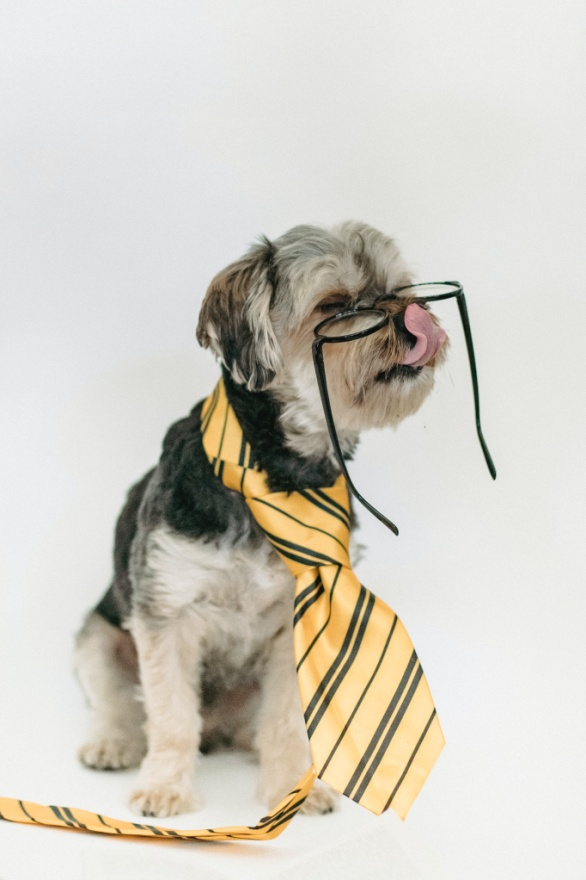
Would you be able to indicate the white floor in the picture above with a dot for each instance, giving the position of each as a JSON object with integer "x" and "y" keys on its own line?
{"x": 144, "y": 145}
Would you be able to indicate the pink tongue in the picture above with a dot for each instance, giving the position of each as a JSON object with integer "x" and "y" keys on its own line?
{"x": 429, "y": 336}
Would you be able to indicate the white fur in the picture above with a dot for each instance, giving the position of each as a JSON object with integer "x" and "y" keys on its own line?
{"x": 116, "y": 737}
{"x": 232, "y": 607}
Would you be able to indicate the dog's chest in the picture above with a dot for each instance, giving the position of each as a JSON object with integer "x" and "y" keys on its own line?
{"x": 232, "y": 597}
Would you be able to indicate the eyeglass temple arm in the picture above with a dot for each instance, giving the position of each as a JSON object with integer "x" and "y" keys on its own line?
{"x": 318, "y": 361}
{"x": 462, "y": 308}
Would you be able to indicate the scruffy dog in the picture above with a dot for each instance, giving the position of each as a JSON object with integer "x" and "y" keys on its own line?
{"x": 191, "y": 647}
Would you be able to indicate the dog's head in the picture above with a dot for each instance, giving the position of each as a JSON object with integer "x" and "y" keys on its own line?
{"x": 260, "y": 313}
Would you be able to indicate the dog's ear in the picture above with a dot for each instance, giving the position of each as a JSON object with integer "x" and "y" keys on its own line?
{"x": 235, "y": 322}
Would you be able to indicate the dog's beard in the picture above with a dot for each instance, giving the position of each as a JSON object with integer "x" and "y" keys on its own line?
{"x": 369, "y": 385}
{"x": 389, "y": 396}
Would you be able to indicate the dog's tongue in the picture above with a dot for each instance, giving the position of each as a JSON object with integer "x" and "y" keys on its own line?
{"x": 429, "y": 336}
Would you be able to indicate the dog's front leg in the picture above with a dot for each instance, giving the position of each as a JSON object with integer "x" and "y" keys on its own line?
{"x": 170, "y": 685}
{"x": 281, "y": 738}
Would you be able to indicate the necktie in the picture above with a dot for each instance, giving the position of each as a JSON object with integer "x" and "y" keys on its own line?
{"x": 373, "y": 730}
{"x": 372, "y": 726}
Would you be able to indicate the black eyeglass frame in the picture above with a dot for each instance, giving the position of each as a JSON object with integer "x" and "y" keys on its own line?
{"x": 384, "y": 317}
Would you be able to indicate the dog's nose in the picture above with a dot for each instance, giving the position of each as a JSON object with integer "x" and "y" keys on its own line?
{"x": 429, "y": 338}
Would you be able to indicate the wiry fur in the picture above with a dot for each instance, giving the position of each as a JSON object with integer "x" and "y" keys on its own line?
{"x": 191, "y": 646}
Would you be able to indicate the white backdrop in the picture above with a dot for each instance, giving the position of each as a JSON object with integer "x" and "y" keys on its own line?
{"x": 144, "y": 145}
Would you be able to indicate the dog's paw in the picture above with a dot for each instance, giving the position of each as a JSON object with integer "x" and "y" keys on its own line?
{"x": 164, "y": 800}
{"x": 321, "y": 799}
{"x": 112, "y": 753}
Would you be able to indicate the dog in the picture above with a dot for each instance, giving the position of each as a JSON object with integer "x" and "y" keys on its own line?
{"x": 191, "y": 647}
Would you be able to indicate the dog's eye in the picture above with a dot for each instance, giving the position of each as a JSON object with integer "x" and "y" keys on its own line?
{"x": 332, "y": 307}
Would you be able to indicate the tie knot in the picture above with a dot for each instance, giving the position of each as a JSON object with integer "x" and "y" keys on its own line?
{"x": 309, "y": 528}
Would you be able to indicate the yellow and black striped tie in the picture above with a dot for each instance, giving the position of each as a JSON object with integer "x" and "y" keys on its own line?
{"x": 372, "y": 726}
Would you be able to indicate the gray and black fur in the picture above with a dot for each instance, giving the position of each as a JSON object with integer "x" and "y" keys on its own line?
{"x": 183, "y": 492}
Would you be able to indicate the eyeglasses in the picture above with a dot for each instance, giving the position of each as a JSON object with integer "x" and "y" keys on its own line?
{"x": 352, "y": 324}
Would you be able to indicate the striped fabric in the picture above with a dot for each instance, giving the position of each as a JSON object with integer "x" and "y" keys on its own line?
{"x": 81, "y": 820}
{"x": 372, "y": 727}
